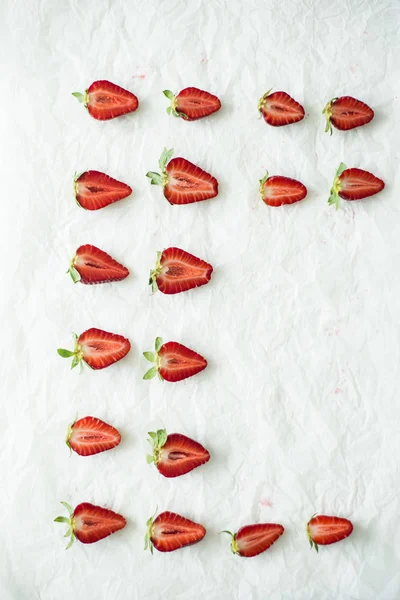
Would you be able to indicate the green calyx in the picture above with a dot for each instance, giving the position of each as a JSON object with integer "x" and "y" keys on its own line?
{"x": 69, "y": 433}
{"x": 76, "y": 354}
{"x": 262, "y": 182}
{"x": 82, "y": 98}
{"x": 328, "y": 114}
{"x": 312, "y": 543}
{"x": 153, "y": 357}
{"x": 75, "y": 184}
{"x": 68, "y": 521}
{"x": 334, "y": 197}
{"x": 157, "y": 178}
{"x": 172, "y": 109}
{"x": 154, "y": 273}
{"x": 234, "y": 544}
{"x": 148, "y": 544}
{"x": 157, "y": 439}
{"x": 75, "y": 275}
{"x": 261, "y": 102}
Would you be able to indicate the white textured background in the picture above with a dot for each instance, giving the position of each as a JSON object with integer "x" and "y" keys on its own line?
{"x": 299, "y": 405}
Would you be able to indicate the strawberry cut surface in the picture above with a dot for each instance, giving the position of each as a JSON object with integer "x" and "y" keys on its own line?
{"x": 173, "y": 361}
{"x": 192, "y": 104}
{"x": 89, "y": 523}
{"x": 89, "y": 435}
{"x": 169, "y": 531}
{"x": 346, "y": 113}
{"x": 278, "y": 190}
{"x": 252, "y": 540}
{"x": 95, "y": 190}
{"x": 280, "y": 109}
{"x": 182, "y": 181}
{"x": 105, "y": 100}
{"x": 97, "y": 348}
{"x": 91, "y": 265}
{"x": 178, "y": 271}
{"x": 175, "y": 454}
{"x": 323, "y": 530}
{"x": 353, "y": 184}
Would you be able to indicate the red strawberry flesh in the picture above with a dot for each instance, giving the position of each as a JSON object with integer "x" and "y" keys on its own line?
{"x": 97, "y": 348}
{"x": 173, "y": 361}
{"x": 346, "y": 113}
{"x": 280, "y": 109}
{"x": 91, "y": 265}
{"x": 169, "y": 532}
{"x": 323, "y": 530}
{"x": 176, "y": 454}
{"x": 353, "y": 184}
{"x": 95, "y": 190}
{"x": 106, "y": 100}
{"x": 252, "y": 540}
{"x": 192, "y": 104}
{"x": 187, "y": 183}
{"x": 278, "y": 190}
{"x": 178, "y": 271}
{"x": 89, "y": 435}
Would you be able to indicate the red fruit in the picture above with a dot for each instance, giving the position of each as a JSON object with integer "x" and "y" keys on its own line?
{"x": 178, "y": 271}
{"x": 90, "y": 523}
{"x": 173, "y": 361}
{"x": 278, "y": 190}
{"x": 192, "y": 104}
{"x": 323, "y": 530}
{"x": 182, "y": 181}
{"x": 353, "y": 184}
{"x": 169, "y": 532}
{"x": 280, "y": 109}
{"x": 105, "y": 100}
{"x": 175, "y": 454}
{"x": 90, "y": 435}
{"x": 97, "y": 348}
{"x": 94, "y": 190}
{"x": 346, "y": 113}
{"x": 251, "y": 540}
{"x": 92, "y": 265}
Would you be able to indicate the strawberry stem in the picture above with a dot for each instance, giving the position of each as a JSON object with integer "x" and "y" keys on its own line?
{"x": 234, "y": 545}
{"x": 334, "y": 198}
{"x": 261, "y": 102}
{"x": 70, "y": 522}
{"x": 328, "y": 114}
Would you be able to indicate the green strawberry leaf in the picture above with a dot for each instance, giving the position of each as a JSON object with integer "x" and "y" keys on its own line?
{"x": 150, "y": 373}
{"x": 342, "y": 167}
{"x": 149, "y": 356}
{"x": 149, "y": 459}
{"x": 169, "y": 110}
{"x": 156, "y": 178}
{"x": 65, "y": 353}
{"x": 158, "y": 344}
{"x": 264, "y": 179}
{"x": 79, "y": 96}
{"x": 165, "y": 158}
{"x": 161, "y": 437}
{"x": 168, "y": 94}
{"x": 61, "y": 520}
{"x": 74, "y": 274}
{"x": 153, "y": 435}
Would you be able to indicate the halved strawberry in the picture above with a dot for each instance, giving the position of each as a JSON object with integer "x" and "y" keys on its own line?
{"x": 90, "y": 435}
{"x": 175, "y": 454}
{"x": 346, "y": 113}
{"x": 105, "y": 100}
{"x": 323, "y": 530}
{"x": 91, "y": 265}
{"x": 97, "y": 348}
{"x": 251, "y": 540}
{"x": 94, "y": 190}
{"x": 353, "y": 184}
{"x": 182, "y": 181}
{"x": 192, "y": 104}
{"x": 169, "y": 531}
{"x": 280, "y": 109}
{"x": 90, "y": 523}
{"x": 178, "y": 271}
{"x": 173, "y": 361}
{"x": 278, "y": 190}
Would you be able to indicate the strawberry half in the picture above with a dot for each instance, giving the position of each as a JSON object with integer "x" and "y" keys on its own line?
{"x": 175, "y": 454}
{"x": 173, "y": 361}
{"x": 90, "y": 523}
{"x": 94, "y": 190}
{"x": 251, "y": 540}
{"x": 97, "y": 348}
{"x": 346, "y": 113}
{"x": 182, "y": 181}
{"x": 178, "y": 271}
{"x": 353, "y": 184}
{"x": 90, "y": 435}
{"x": 323, "y": 530}
{"x": 280, "y": 109}
{"x": 105, "y": 100}
{"x": 278, "y": 190}
{"x": 192, "y": 104}
{"x": 91, "y": 265}
{"x": 169, "y": 531}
